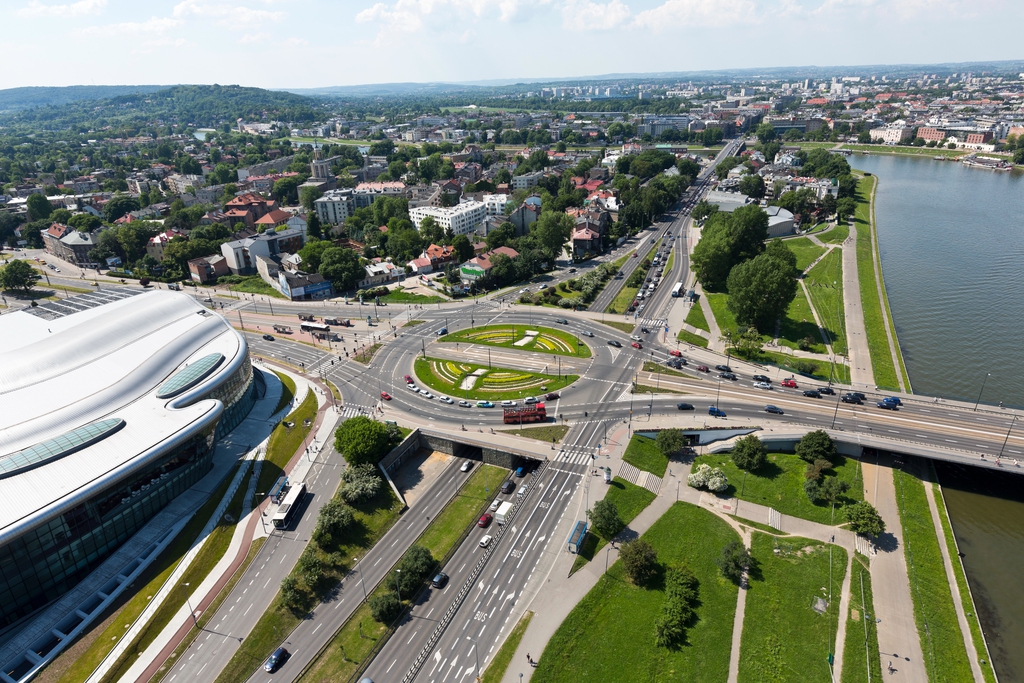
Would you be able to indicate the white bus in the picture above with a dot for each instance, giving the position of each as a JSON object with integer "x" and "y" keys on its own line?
{"x": 284, "y": 512}
{"x": 677, "y": 290}
{"x": 314, "y": 327}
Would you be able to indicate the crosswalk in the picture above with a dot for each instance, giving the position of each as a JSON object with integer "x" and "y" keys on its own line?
{"x": 352, "y": 410}
{"x": 574, "y": 456}
{"x": 634, "y": 475}
{"x": 651, "y": 323}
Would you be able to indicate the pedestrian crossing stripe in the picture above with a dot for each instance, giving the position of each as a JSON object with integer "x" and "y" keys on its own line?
{"x": 574, "y": 456}
{"x": 653, "y": 322}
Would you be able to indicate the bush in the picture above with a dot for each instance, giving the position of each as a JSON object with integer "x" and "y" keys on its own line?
{"x": 311, "y": 567}
{"x": 816, "y": 445}
{"x": 681, "y": 593}
{"x": 706, "y": 477}
{"x": 805, "y": 367}
{"x": 605, "y": 517}
{"x": 334, "y": 520}
{"x": 813, "y": 490}
{"x": 816, "y": 470}
{"x": 670, "y": 441}
{"x": 360, "y": 483}
{"x": 640, "y": 560}
{"x": 734, "y": 559}
{"x": 362, "y": 440}
{"x": 749, "y": 454}
{"x": 385, "y": 608}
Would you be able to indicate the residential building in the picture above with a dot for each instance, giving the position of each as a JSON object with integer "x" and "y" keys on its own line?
{"x": 247, "y": 208}
{"x": 378, "y": 274}
{"x": 365, "y": 194}
{"x": 241, "y": 254}
{"x": 421, "y": 266}
{"x": 526, "y": 180}
{"x": 461, "y": 219}
{"x": 208, "y": 268}
{"x": 585, "y": 242}
{"x": 301, "y": 286}
{"x": 495, "y": 204}
{"x": 72, "y": 245}
{"x": 892, "y": 133}
{"x": 478, "y": 267}
{"x": 272, "y": 219}
{"x": 178, "y": 183}
{"x": 335, "y": 206}
{"x": 156, "y": 244}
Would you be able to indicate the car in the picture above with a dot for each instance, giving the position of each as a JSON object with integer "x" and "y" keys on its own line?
{"x": 408, "y": 379}
{"x": 858, "y": 395}
{"x": 684, "y": 406}
{"x": 762, "y": 385}
{"x": 523, "y": 291}
{"x": 789, "y": 382}
{"x": 723, "y": 368}
{"x": 412, "y": 387}
{"x": 484, "y": 404}
{"x": 716, "y": 412}
{"x": 426, "y": 394}
{"x": 485, "y": 520}
{"x": 586, "y": 333}
{"x": 676, "y": 353}
{"x": 551, "y": 395}
{"x": 495, "y": 504}
{"x": 892, "y": 399}
{"x": 572, "y": 270}
{"x": 773, "y": 409}
{"x": 275, "y": 660}
{"x": 634, "y": 254}
{"x": 613, "y": 342}
{"x": 207, "y": 299}
{"x": 561, "y": 321}
{"x": 761, "y": 378}
{"x": 465, "y": 404}
{"x": 443, "y": 330}
{"x": 674, "y": 363}
{"x": 507, "y": 404}
{"x": 268, "y": 337}
{"x": 508, "y": 487}
{"x": 467, "y": 465}
{"x": 385, "y": 395}
{"x": 887, "y": 405}
{"x": 636, "y": 337}
{"x": 645, "y": 330}
{"x": 445, "y": 399}
{"x": 529, "y": 400}
{"x": 440, "y": 581}
{"x": 520, "y": 471}
{"x": 812, "y": 393}
{"x": 637, "y": 345}
{"x": 826, "y": 390}
{"x": 727, "y": 375}
{"x": 522, "y": 490}
{"x": 703, "y": 368}
{"x": 847, "y": 398}
{"x": 485, "y": 541}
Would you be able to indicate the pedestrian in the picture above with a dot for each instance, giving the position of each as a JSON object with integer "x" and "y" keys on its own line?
{"x": 530, "y": 660}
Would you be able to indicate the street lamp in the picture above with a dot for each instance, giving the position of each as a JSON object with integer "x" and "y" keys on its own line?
{"x": 398, "y": 585}
{"x": 263, "y": 513}
{"x": 1007, "y": 436}
{"x": 189, "y": 604}
{"x": 355, "y": 561}
{"x": 476, "y": 653}
{"x": 987, "y": 375}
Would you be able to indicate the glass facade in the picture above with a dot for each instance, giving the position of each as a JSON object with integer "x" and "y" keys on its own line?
{"x": 44, "y": 563}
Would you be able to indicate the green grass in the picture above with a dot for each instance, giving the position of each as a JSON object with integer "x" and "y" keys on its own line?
{"x": 806, "y": 251}
{"x": 284, "y": 442}
{"x": 367, "y": 353}
{"x": 780, "y": 484}
{"x": 904, "y": 150}
{"x": 648, "y": 389}
{"x": 499, "y": 664}
{"x": 644, "y": 454}
{"x": 463, "y": 510}
{"x": 414, "y": 323}
{"x": 545, "y": 433}
{"x": 609, "y": 635}
{"x": 253, "y": 284}
{"x": 970, "y": 610}
{"x": 874, "y": 324}
{"x": 860, "y": 652}
{"x": 836, "y": 235}
{"x": 622, "y": 300}
{"x": 825, "y": 287}
{"x": 657, "y": 368}
{"x": 691, "y": 338}
{"x": 696, "y": 318}
{"x": 719, "y": 302}
{"x": 839, "y": 372}
{"x": 942, "y": 642}
{"x": 287, "y": 392}
{"x": 784, "y": 639}
{"x": 630, "y": 500}
{"x": 478, "y": 335}
{"x": 620, "y": 326}
{"x": 799, "y": 324}
{"x": 538, "y": 383}
{"x": 398, "y": 296}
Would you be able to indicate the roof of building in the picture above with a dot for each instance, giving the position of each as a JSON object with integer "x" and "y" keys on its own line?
{"x": 274, "y": 217}
{"x": 83, "y": 370}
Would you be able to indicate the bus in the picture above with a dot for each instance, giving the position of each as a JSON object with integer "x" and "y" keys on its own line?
{"x": 677, "y": 290}
{"x": 314, "y": 327}
{"x": 291, "y": 501}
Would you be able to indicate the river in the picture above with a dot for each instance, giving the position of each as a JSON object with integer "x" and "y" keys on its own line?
{"x": 952, "y": 243}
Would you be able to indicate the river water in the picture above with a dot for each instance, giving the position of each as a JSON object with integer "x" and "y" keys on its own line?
{"x": 952, "y": 245}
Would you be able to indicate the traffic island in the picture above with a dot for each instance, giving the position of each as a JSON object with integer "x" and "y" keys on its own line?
{"x": 480, "y": 382}
{"x": 533, "y": 338}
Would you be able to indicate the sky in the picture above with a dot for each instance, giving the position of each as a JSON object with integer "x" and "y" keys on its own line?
{"x": 318, "y": 43}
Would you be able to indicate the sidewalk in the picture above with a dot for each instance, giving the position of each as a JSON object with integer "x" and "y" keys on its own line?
{"x": 861, "y": 373}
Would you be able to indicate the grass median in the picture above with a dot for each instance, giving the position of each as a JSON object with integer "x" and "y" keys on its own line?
{"x": 499, "y": 665}
{"x": 861, "y": 661}
{"x": 287, "y": 391}
{"x": 697, "y": 319}
{"x": 285, "y": 441}
{"x": 691, "y": 338}
{"x": 548, "y": 340}
{"x": 549, "y": 433}
{"x": 619, "y": 325}
{"x": 630, "y": 500}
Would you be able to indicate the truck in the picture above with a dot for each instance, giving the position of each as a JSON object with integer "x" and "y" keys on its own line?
{"x": 525, "y": 413}
{"x": 502, "y": 512}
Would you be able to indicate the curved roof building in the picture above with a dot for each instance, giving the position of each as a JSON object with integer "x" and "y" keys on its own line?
{"x": 108, "y": 410}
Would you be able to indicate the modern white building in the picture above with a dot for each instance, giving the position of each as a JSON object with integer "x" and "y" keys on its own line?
{"x": 461, "y": 219}
{"x": 335, "y": 206}
{"x": 495, "y": 204}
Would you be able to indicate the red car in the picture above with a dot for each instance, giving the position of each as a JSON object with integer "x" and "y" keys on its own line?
{"x": 789, "y": 382}
{"x": 677, "y": 354}
{"x": 702, "y": 368}
{"x": 385, "y": 395}
{"x": 485, "y": 521}
{"x": 408, "y": 379}
{"x": 637, "y": 345}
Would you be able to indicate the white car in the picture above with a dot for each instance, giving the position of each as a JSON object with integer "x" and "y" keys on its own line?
{"x": 508, "y": 404}
{"x": 495, "y": 504}
{"x": 485, "y": 541}
{"x": 587, "y": 333}
{"x": 426, "y": 394}
{"x": 412, "y": 387}
{"x": 465, "y": 404}
{"x": 445, "y": 399}
{"x": 635, "y": 337}
{"x": 762, "y": 385}
{"x": 529, "y": 400}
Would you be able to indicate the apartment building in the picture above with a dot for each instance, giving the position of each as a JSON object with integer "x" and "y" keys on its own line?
{"x": 461, "y": 219}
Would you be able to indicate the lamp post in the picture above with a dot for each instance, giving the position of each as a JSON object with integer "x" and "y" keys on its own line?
{"x": 190, "y": 610}
{"x": 1007, "y": 436}
{"x": 263, "y": 513}
{"x": 476, "y": 653}
{"x": 398, "y": 585}
{"x": 355, "y": 561}
{"x": 987, "y": 375}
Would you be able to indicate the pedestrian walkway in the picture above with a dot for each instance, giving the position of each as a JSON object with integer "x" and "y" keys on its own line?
{"x": 862, "y": 375}
{"x": 715, "y": 342}
{"x": 647, "y": 480}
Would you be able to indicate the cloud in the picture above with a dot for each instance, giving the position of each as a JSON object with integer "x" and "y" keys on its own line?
{"x": 682, "y": 13}
{"x": 584, "y": 15}
{"x": 152, "y": 26}
{"x": 225, "y": 13}
{"x": 254, "y": 38}
{"x": 75, "y": 9}
{"x": 411, "y": 16}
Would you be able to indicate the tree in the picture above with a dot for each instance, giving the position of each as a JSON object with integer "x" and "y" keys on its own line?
{"x": 385, "y": 608}
{"x": 864, "y": 519}
{"x": 670, "y": 441}
{"x": 292, "y": 595}
{"x": 431, "y": 231}
{"x": 307, "y": 196}
{"x": 734, "y": 559}
{"x": 313, "y": 227}
{"x": 551, "y": 232}
{"x": 639, "y": 560}
{"x": 341, "y": 267}
{"x": 60, "y": 216}
{"x": 703, "y": 209}
{"x": 831, "y": 489}
{"x": 816, "y": 445}
{"x": 845, "y": 208}
{"x": 311, "y": 254}
{"x": 39, "y": 208}
{"x": 360, "y": 483}
{"x": 85, "y": 222}
{"x": 362, "y": 440}
{"x": 606, "y": 520}
{"x": 463, "y": 248}
{"x": 749, "y": 454}
{"x": 765, "y": 132}
{"x": 760, "y": 291}
{"x": 681, "y": 591}
{"x": 118, "y": 206}
{"x": 286, "y": 190}
{"x": 752, "y": 185}
{"x": 414, "y": 566}
{"x": 332, "y": 522}
{"x": 18, "y": 274}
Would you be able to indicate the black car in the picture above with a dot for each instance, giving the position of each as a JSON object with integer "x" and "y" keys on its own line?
{"x": 684, "y": 406}
{"x": 275, "y": 660}
{"x": 644, "y": 330}
{"x": 561, "y": 321}
{"x": 827, "y": 390}
{"x": 848, "y": 398}
{"x": 572, "y": 270}
{"x": 723, "y": 368}
{"x": 887, "y": 405}
{"x": 268, "y": 337}
{"x": 612, "y": 342}
{"x": 727, "y": 375}
{"x": 773, "y": 409}
{"x": 761, "y": 378}
{"x": 859, "y": 395}
{"x": 508, "y": 487}
{"x": 812, "y": 393}
{"x": 440, "y": 581}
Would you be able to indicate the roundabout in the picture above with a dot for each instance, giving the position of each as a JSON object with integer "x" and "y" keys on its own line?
{"x": 533, "y": 338}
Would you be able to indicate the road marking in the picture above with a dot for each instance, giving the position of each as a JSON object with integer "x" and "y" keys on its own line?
{"x": 389, "y": 668}
{"x": 950, "y": 441}
{"x": 339, "y": 603}
{"x": 410, "y": 637}
{"x": 318, "y": 627}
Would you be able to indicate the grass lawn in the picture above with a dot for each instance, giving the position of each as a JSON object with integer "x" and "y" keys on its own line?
{"x": 545, "y": 433}
{"x": 495, "y": 384}
{"x": 822, "y": 368}
{"x": 910, "y": 150}
{"x": 399, "y": 296}
{"x": 657, "y": 368}
{"x": 806, "y": 251}
{"x": 784, "y": 639}
{"x": 719, "y": 302}
{"x": 622, "y": 300}
{"x": 691, "y": 338}
{"x": 253, "y": 284}
{"x": 860, "y": 653}
{"x": 643, "y": 453}
{"x": 413, "y": 323}
{"x": 287, "y": 393}
{"x": 825, "y": 287}
{"x": 463, "y": 510}
{"x": 836, "y": 235}
{"x": 799, "y": 323}
{"x": 945, "y": 656}
{"x": 550, "y": 340}
{"x": 367, "y": 354}
{"x": 696, "y": 318}
{"x": 284, "y": 442}
{"x": 620, "y": 326}
{"x": 499, "y": 665}
{"x": 609, "y": 635}
{"x": 878, "y": 343}
{"x": 780, "y": 484}
{"x": 630, "y": 500}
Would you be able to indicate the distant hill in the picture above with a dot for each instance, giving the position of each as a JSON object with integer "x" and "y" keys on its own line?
{"x": 385, "y": 90}
{"x": 25, "y": 98}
